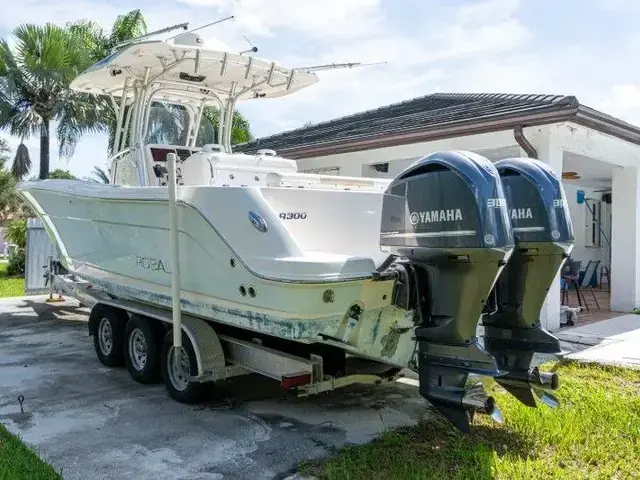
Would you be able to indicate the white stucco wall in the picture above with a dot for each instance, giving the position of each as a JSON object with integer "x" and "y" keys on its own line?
{"x": 351, "y": 164}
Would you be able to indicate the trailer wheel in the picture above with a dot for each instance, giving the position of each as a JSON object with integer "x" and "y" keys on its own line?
{"x": 177, "y": 372}
{"x": 141, "y": 349}
{"x": 108, "y": 337}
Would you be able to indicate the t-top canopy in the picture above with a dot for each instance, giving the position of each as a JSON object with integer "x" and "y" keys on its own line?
{"x": 190, "y": 71}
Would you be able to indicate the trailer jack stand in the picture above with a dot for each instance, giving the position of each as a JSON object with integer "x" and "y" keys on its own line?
{"x": 48, "y": 275}
{"x": 54, "y": 300}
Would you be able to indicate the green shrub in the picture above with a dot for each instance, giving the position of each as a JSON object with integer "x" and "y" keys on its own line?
{"x": 17, "y": 233}
{"x": 17, "y": 261}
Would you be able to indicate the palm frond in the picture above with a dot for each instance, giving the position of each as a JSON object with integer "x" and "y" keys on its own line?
{"x": 82, "y": 114}
{"x": 21, "y": 162}
{"x": 100, "y": 175}
{"x": 240, "y": 130}
{"x": 167, "y": 124}
{"x": 43, "y": 55}
{"x": 92, "y": 37}
{"x": 126, "y": 27}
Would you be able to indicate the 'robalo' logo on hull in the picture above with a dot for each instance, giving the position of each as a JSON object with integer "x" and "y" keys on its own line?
{"x": 151, "y": 264}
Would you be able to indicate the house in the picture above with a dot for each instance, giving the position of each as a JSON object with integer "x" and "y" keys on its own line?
{"x": 596, "y": 153}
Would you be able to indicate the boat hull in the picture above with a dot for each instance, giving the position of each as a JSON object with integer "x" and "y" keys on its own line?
{"x": 121, "y": 245}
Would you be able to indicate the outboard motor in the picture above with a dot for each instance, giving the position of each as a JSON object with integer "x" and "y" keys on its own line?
{"x": 544, "y": 239}
{"x": 445, "y": 217}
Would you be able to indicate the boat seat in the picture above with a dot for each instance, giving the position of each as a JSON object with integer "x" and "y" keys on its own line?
{"x": 197, "y": 170}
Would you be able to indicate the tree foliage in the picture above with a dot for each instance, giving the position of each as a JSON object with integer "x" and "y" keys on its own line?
{"x": 11, "y": 205}
{"x": 21, "y": 162}
{"x": 100, "y": 44}
{"x": 240, "y": 131}
{"x": 35, "y": 75}
{"x": 34, "y": 88}
{"x": 36, "y": 71}
{"x": 17, "y": 232}
{"x": 99, "y": 175}
{"x": 61, "y": 174}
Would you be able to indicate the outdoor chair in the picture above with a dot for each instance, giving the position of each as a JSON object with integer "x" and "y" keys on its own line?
{"x": 604, "y": 272}
{"x": 589, "y": 275}
{"x": 569, "y": 276}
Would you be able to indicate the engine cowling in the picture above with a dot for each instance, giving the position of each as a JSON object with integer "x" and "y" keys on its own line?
{"x": 446, "y": 200}
{"x": 536, "y": 202}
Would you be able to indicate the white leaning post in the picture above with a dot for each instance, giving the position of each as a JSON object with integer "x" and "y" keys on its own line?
{"x": 175, "y": 257}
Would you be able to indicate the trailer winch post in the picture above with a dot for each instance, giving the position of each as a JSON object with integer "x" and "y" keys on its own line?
{"x": 175, "y": 257}
{"x": 51, "y": 273}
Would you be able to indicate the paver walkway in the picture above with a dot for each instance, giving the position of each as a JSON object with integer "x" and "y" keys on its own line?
{"x": 612, "y": 342}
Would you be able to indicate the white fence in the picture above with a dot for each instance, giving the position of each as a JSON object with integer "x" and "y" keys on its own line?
{"x": 39, "y": 247}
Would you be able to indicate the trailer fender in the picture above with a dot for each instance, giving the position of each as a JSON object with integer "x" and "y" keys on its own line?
{"x": 206, "y": 345}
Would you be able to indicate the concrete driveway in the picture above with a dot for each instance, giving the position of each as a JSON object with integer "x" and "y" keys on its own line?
{"x": 94, "y": 422}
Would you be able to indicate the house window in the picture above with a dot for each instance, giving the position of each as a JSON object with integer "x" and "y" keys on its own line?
{"x": 593, "y": 224}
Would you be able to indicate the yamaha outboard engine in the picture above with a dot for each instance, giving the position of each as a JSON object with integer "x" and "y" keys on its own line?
{"x": 544, "y": 238}
{"x": 445, "y": 217}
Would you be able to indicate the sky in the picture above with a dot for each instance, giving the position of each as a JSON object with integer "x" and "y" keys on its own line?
{"x": 586, "y": 48}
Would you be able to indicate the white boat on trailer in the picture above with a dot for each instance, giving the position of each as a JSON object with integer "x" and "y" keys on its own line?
{"x": 297, "y": 276}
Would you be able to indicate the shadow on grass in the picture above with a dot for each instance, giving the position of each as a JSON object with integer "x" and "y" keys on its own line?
{"x": 432, "y": 449}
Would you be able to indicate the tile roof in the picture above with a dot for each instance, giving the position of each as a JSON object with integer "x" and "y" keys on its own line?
{"x": 435, "y": 111}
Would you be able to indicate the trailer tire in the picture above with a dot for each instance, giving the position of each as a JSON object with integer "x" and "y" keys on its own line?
{"x": 108, "y": 337}
{"x": 141, "y": 348}
{"x": 181, "y": 388}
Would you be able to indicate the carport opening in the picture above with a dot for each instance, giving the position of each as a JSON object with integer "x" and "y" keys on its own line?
{"x": 586, "y": 276}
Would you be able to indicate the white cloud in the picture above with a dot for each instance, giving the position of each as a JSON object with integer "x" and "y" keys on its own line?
{"x": 487, "y": 11}
{"x": 319, "y": 18}
{"x": 622, "y": 101}
{"x": 470, "y": 46}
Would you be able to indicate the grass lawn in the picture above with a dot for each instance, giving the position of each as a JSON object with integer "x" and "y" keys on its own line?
{"x": 20, "y": 462}
{"x": 595, "y": 433}
{"x": 10, "y": 286}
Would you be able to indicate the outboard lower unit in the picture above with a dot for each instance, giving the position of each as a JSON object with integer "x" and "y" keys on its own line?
{"x": 445, "y": 218}
{"x": 544, "y": 239}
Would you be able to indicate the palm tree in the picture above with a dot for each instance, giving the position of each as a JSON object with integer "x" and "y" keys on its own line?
{"x": 99, "y": 175}
{"x": 21, "y": 162}
{"x": 11, "y": 205}
{"x": 101, "y": 44}
{"x": 34, "y": 88}
{"x": 167, "y": 124}
{"x": 35, "y": 77}
{"x": 240, "y": 131}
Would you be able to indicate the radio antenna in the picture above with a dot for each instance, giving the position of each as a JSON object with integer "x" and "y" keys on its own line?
{"x": 253, "y": 48}
{"x": 184, "y": 26}
{"x": 230, "y": 17}
{"x": 332, "y": 66}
